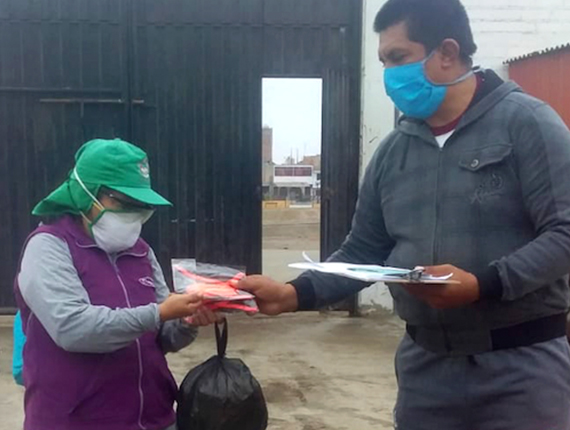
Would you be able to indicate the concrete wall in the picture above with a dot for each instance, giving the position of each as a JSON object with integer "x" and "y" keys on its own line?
{"x": 502, "y": 29}
{"x": 508, "y": 28}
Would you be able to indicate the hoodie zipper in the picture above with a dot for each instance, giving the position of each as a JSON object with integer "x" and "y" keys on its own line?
{"x": 137, "y": 342}
{"x": 435, "y": 250}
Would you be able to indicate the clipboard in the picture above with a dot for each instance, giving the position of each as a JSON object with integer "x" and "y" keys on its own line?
{"x": 374, "y": 273}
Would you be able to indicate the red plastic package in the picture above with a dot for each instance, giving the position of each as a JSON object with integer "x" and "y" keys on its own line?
{"x": 217, "y": 285}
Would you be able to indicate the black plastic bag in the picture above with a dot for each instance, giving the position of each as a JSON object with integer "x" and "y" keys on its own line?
{"x": 221, "y": 394}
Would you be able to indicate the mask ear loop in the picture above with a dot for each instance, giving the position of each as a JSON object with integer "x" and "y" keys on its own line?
{"x": 447, "y": 84}
{"x": 98, "y": 203}
{"x": 89, "y": 193}
{"x": 147, "y": 216}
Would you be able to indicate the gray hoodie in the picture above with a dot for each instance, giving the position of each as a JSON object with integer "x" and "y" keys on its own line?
{"x": 494, "y": 201}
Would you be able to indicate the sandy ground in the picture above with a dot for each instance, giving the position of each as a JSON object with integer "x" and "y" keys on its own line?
{"x": 318, "y": 371}
{"x": 286, "y": 234}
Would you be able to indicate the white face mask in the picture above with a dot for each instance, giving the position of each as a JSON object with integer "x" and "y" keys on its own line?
{"x": 115, "y": 231}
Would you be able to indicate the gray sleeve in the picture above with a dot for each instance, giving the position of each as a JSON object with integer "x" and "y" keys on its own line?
{"x": 542, "y": 154}
{"x": 176, "y": 334}
{"x": 52, "y": 289}
{"x": 367, "y": 243}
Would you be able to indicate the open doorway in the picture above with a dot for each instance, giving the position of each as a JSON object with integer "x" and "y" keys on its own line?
{"x": 291, "y": 166}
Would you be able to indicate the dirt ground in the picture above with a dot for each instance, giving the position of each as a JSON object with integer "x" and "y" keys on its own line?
{"x": 318, "y": 371}
{"x": 294, "y": 229}
{"x": 286, "y": 234}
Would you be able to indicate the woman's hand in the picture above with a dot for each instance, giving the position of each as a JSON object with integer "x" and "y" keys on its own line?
{"x": 179, "y": 306}
{"x": 204, "y": 317}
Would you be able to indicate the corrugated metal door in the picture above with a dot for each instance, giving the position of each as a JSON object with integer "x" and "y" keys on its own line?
{"x": 316, "y": 39}
{"x": 62, "y": 81}
{"x": 201, "y": 78}
{"x": 183, "y": 80}
{"x": 340, "y": 161}
{"x": 341, "y": 158}
{"x": 199, "y": 67}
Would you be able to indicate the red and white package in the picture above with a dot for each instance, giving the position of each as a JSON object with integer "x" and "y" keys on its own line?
{"x": 217, "y": 284}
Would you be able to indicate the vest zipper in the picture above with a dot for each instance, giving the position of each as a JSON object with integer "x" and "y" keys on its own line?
{"x": 139, "y": 351}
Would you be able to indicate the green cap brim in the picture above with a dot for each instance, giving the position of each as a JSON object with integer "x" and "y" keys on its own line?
{"x": 67, "y": 198}
{"x": 143, "y": 195}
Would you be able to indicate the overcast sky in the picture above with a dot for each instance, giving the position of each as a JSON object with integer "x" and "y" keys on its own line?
{"x": 293, "y": 107}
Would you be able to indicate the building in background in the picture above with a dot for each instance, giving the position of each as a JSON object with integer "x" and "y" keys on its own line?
{"x": 267, "y": 144}
{"x": 544, "y": 74}
{"x": 312, "y": 160}
{"x": 315, "y": 161}
{"x": 293, "y": 183}
{"x": 267, "y": 161}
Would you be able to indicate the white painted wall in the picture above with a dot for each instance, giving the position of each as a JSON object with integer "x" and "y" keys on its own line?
{"x": 502, "y": 29}
{"x": 505, "y": 29}
{"x": 282, "y": 181}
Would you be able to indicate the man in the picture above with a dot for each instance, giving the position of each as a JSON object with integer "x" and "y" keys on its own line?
{"x": 475, "y": 181}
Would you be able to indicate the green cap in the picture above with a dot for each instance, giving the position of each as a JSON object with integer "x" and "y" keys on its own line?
{"x": 114, "y": 164}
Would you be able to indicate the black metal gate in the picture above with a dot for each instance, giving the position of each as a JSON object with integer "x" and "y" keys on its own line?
{"x": 182, "y": 79}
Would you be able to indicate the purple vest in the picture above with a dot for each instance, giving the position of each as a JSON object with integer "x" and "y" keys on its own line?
{"x": 130, "y": 389}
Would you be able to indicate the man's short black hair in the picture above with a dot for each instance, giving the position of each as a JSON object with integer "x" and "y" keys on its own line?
{"x": 430, "y": 22}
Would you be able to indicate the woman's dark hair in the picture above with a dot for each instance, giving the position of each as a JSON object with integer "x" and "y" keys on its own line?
{"x": 430, "y": 22}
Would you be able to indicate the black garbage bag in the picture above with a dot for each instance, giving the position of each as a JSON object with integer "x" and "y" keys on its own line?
{"x": 221, "y": 394}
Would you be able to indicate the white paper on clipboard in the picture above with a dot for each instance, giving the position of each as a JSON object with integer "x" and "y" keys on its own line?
{"x": 372, "y": 273}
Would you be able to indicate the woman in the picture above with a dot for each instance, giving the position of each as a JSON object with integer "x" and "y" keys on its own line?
{"x": 96, "y": 310}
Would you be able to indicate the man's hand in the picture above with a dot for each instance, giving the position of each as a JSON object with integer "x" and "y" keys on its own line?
{"x": 447, "y": 296}
{"x": 273, "y": 298}
{"x": 179, "y": 306}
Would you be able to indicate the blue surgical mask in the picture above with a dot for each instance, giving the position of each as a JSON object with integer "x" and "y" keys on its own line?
{"x": 413, "y": 93}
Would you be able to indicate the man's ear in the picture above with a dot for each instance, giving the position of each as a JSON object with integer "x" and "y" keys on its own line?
{"x": 450, "y": 53}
